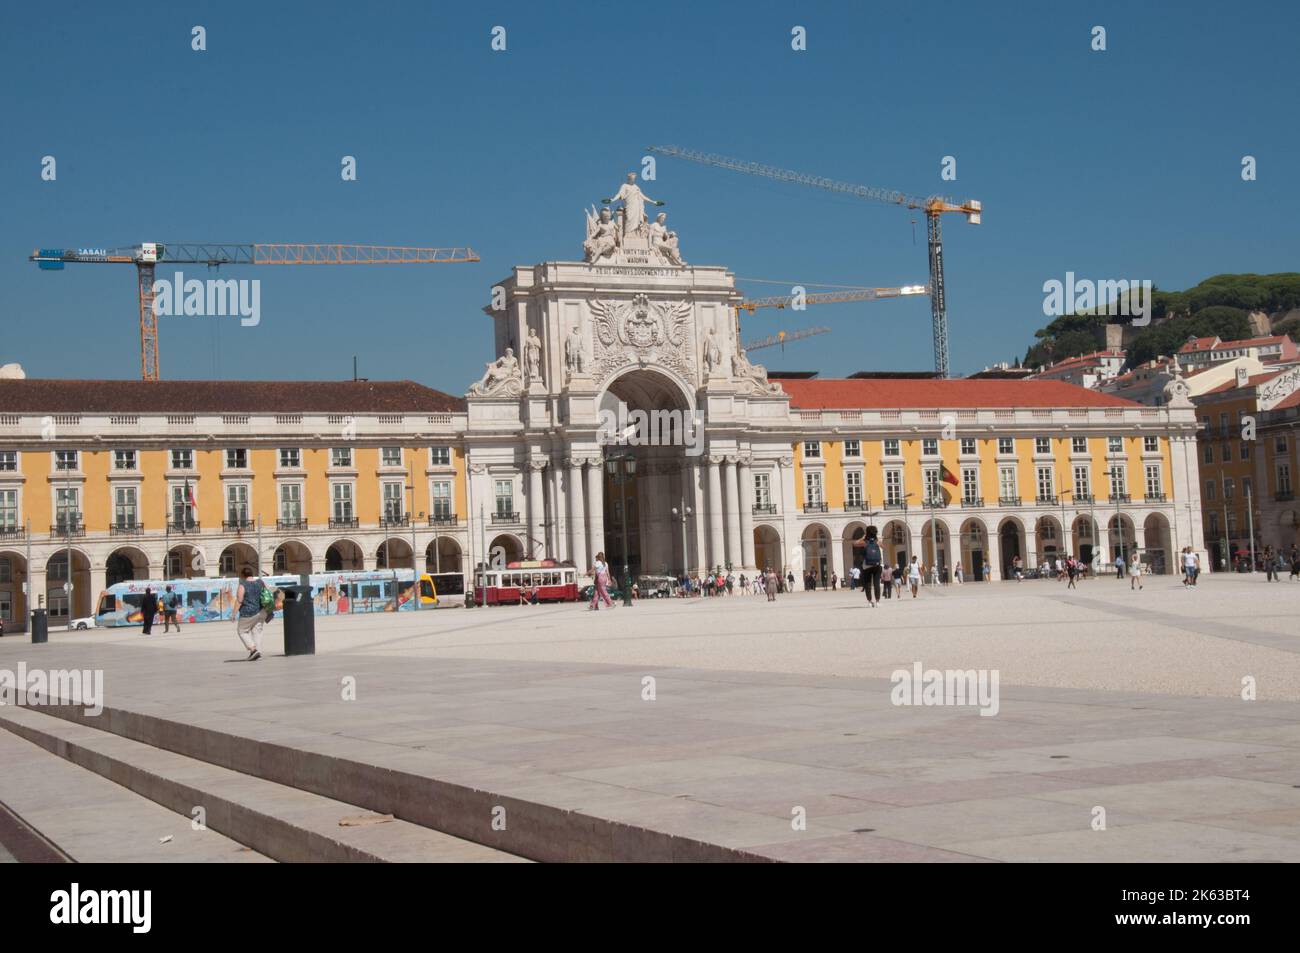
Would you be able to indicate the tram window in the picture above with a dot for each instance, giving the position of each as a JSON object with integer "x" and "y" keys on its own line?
{"x": 107, "y": 604}
{"x": 426, "y": 589}
{"x": 197, "y": 598}
{"x": 370, "y": 590}
{"x": 134, "y": 600}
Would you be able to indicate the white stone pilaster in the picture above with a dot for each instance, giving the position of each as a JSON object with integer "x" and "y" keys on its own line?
{"x": 731, "y": 512}
{"x": 536, "y": 543}
{"x": 577, "y": 517}
{"x": 717, "y": 550}
{"x": 745, "y": 499}
{"x": 595, "y": 505}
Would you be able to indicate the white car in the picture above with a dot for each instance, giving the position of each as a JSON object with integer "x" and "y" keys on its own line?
{"x": 82, "y": 624}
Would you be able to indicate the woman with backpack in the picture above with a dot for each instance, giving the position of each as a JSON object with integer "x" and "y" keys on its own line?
{"x": 873, "y": 561}
{"x": 255, "y": 602}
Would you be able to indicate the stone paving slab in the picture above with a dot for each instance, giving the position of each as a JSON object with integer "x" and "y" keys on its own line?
{"x": 552, "y": 712}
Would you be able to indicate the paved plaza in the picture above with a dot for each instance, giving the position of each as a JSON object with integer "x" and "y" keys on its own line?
{"x": 763, "y": 714}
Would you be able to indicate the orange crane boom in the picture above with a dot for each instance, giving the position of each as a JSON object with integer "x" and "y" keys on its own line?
{"x": 148, "y": 255}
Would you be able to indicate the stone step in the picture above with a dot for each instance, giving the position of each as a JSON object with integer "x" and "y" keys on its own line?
{"x": 72, "y": 814}
{"x": 281, "y": 822}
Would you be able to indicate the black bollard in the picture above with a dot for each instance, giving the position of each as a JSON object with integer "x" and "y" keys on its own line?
{"x": 299, "y": 621}
{"x": 40, "y": 626}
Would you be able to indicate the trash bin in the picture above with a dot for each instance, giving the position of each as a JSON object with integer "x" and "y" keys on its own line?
{"x": 40, "y": 626}
{"x": 299, "y": 621}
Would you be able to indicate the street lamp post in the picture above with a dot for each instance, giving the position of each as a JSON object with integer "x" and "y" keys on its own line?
{"x": 684, "y": 514}
{"x": 1250, "y": 523}
{"x": 415, "y": 571}
{"x": 623, "y": 468}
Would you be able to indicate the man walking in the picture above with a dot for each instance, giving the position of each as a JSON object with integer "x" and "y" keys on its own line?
{"x": 1119, "y": 567}
{"x": 148, "y": 609}
{"x": 171, "y": 607}
{"x": 872, "y": 558}
{"x": 250, "y": 616}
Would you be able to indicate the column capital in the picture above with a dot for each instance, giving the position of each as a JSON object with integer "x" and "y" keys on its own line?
{"x": 786, "y": 461}
{"x": 715, "y": 459}
{"x": 732, "y": 458}
{"x": 538, "y": 464}
{"x": 478, "y": 468}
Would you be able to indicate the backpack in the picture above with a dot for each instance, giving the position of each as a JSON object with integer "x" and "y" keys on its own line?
{"x": 173, "y": 601}
{"x": 872, "y": 553}
{"x": 267, "y": 597}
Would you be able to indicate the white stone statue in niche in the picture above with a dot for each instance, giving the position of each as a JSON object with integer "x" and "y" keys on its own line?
{"x": 712, "y": 353}
{"x": 503, "y": 377}
{"x": 574, "y": 359}
{"x": 533, "y": 355}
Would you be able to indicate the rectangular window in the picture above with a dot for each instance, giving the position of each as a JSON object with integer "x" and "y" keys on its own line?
{"x": 290, "y": 458}
{"x": 1045, "y": 483}
{"x": 1229, "y": 486}
{"x": 811, "y": 449}
{"x": 182, "y": 506}
{"x": 65, "y": 459}
{"x": 853, "y": 448}
{"x": 341, "y": 457}
{"x": 123, "y": 459}
{"x": 124, "y": 508}
{"x": 1245, "y": 450}
{"x": 762, "y": 490}
{"x": 970, "y": 488}
{"x": 1118, "y": 480}
{"x": 968, "y": 446}
{"x": 342, "y": 499}
{"x": 442, "y": 499}
{"x": 390, "y": 457}
{"x": 1006, "y": 445}
{"x": 1042, "y": 445}
{"x": 1226, "y": 453}
{"x": 182, "y": 459}
{"x": 891, "y": 448}
{"x": 67, "y": 507}
{"x": 237, "y": 459}
{"x": 929, "y": 446}
{"x": 8, "y": 510}
{"x": 931, "y": 477}
{"x": 1151, "y": 444}
{"x": 1210, "y": 490}
{"x": 505, "y": 497}
{"x": 1155, "y": 484}
{"x": 6, "y": 569}
{"x": 1279, "y": 445}
{"x": 393, "y": 501}
{"x": 237, "y": 503}
{"x": 1232, "y": 523}
{"x": 1007, "y": 483}
{"x": 1078, "y": 444}
{"x": 1213, "y": 522}
{"x": 894, "y": 487}
{"x": 8, "y": 460}
{"x": 440, "y": 456}
{"x": 813, "y": 486}
{"x": 1208, "y": 455}
{"x": 291, "y": 502}
{"x": 1247, "y": 488}
{"x": 1115, "y": 444}
{"x": 1284, "y": 478}
{"x": 1082, "y": 482}
{"x": 853, "y": 488}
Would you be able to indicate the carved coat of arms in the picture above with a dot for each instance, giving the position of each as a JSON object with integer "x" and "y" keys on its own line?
{"x": 638, "y": 331}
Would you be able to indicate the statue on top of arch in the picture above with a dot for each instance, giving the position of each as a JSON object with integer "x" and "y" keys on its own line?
{"x": 626, "y": 236}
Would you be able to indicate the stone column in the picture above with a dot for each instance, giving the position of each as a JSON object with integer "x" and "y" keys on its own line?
{"x": 596, "y": 505}
{"x": 745, "y": 499}
{"x": 993, "y": 554}
{"x": 98, "y": 583}
{"x": 577, "y": 518}
{"x": 555, "y": 541}
{"x": 536, "y": 510}
{"x": 732, "y": 512}
{"x": 717, "y": 550}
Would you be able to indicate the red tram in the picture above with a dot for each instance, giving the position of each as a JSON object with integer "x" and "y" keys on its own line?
{"x": 539, "y": 580}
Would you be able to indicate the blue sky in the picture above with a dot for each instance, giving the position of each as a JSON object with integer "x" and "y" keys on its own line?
{"x": 1124, "y": 163}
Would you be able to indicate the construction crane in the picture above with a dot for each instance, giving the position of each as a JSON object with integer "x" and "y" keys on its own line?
{"x": 785, "y": 337}
{"x": 148, "y": 255}
{"x": 828, "y": 297}
{"x": 934, "y": 207}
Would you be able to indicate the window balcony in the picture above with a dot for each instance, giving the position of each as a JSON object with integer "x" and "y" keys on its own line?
{"x": 1084, "y": 498}
{"x": 860, "y": 507}
{"x": 10, "y": 531}
{"x": 764, "y": 509}
{"x": 970, "y": 502}
{"x": 1008, "y": 501}
{"x": 237, "y": 525}
{"x": 393, "y": 522}
{"x": 343, "y": 522}
{"x": 936, "y": 503}
{"x": 505, "y": 516}
{"x": 1284, "y": 496}
{"x": 896, "y": 505}
{"x": 1156, "y": 498}
{"x": 291, "y": 525}
{"x": 183, "y": 527}
{"x": 124, "y": 528}
{"x": 442, "y": 519}
{"x": 67, "y": 528}
{"x": 814, "y": 507}
{"x": 1051, "y": 500}
{"x": 1119, "y": 498}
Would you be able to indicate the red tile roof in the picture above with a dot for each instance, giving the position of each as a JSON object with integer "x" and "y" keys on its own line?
{"x": 1251, "y": 381}
{"x": 1214, "y": 344}
{"x": 845, "y": 394}
{"x": 222, "y": 397}
{"x": 1291, "y": 401}
{"x": 1199, "y": 344}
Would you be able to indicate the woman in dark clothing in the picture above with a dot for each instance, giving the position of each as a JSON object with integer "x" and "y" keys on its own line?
{"x": 148, "y": 609}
